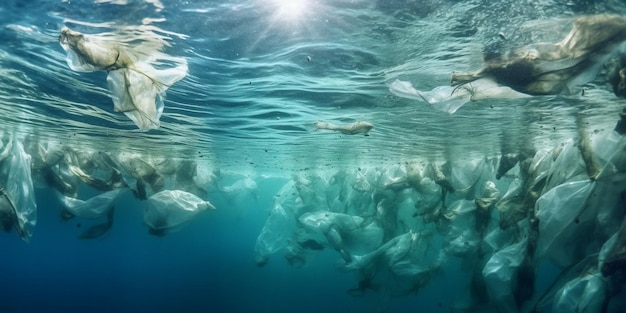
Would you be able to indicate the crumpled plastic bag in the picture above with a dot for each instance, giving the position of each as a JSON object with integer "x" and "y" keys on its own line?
{"x": 500, "y": 274}
{"x": 450, "y": 98}
{"x": 94, "y": 207}
{"x": 466, "y": 176}
{"x": 241, "y": 191}
{"x": 612, "y": 255}
{"x": 568, "y": 166}
{"x": 584, "y": 294}
{"x": 565, "y": 221}
{"x": 169, "y": 210}
{"x": 275, "y": 234}
{"x": 137, "y": 86}
{"x": 336, "y": 227}
{"x": 16, "y": 186}
{"x": 462, "y": 236}
{"x": 409, "y": 256}
{"x": 401, "y": 265}
{"x": 310, "y": 188}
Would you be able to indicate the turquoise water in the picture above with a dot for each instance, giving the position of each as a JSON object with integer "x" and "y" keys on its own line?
{"x": 260, "y": 74}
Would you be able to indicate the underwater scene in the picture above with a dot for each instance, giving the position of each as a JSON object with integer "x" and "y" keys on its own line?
{"x": 313, "y": 156}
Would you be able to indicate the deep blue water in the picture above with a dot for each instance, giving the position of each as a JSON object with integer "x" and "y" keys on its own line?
{"x": 206, "y": 267}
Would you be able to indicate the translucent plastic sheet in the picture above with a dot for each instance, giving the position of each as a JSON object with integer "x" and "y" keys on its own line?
{"x": 567, "y": 166}
{"x": 280, "y": 227}
{"x": 95, "y": 207}
{"x": 242, "y": 191}
{"x": 136, "y": 84}
{"x": 585, "y": 294}
{"x": 500, "y": 275}
{"x": 334, "y": 226}
{"x": 275, "y": 234}
{"x": 564, "y": 221}
{"x": 17, "y": 188}
{"x": 449, "y": 98}
{"x": 462, "y": 237}
{"x": 168, "y": 210}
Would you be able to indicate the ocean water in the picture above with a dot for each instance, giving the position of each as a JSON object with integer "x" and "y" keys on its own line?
{"x": 260, "y": 74}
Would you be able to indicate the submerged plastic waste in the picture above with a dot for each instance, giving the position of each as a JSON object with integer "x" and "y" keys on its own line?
{"x": 17, "y": 197}
{"x": 535, "y": 69}
{"x": 168, "y": 210}
{"x": 137, "y": 86}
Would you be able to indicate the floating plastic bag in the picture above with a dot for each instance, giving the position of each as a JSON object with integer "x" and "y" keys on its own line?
{"x": 16, "y": 189}
{"x": 612, "y": 256}
{"x": 241, "y": 191}
{"x": 568, "y": 166}
{"x": 311, "y": 189}
{"x": 462, "y": 237}
{"x": 135, "y": 95}
{"x": 334, "y": 226}
{"x": 137, "y": 86}
{"x": 95, "y": 207}
{"x": 100, "y": 206}
{"x": 451, "y": 98}
{"x": 275, "y": 234}
{"x": 280, "y": 231}
{"x": 565, "y": 221}
{"x": 500, "y": 275}
{"x": 443, "y": 98}
{"x": 409, "y": 255}
{"x": 169, "y": 210}
{"x": 585, "y": 294}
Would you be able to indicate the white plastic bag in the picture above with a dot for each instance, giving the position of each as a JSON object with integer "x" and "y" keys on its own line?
{"x": 17, "y": 188}
{"x": 565, "y": 221}
{"x": 336, "y": 227}
{"x": 169, "y": 210}
{"x": 275, "y": 234}
{"x": 94, "y": 207}
{"x": 585, "y": 294}
{"x": 136, "y": 85}
{"x": 500, "y": 275}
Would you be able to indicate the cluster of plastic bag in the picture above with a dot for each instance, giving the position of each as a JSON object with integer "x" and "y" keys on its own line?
{"x": 402, "y": 226}
{"x": 398, "y": 228}
{"x": 88, "y": 185}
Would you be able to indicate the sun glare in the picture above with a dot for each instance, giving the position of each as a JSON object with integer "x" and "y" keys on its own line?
{"x": 290, "y": 9}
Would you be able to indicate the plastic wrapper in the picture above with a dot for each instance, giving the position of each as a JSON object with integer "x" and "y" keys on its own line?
{"x": 169, "y": 210}
{"x": 17, "y": 191}
{"x": 565, "y": 221}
